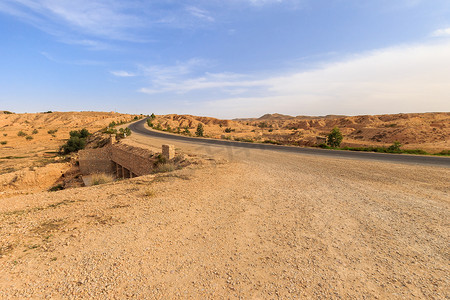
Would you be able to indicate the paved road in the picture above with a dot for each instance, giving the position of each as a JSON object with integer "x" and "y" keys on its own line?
{"x": 139, "y": 127}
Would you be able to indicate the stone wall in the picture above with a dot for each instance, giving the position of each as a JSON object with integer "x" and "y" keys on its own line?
{"x": 96, "y": 160}
{"x": 137, "y": 161}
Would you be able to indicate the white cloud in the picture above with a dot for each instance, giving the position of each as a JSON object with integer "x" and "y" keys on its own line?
{"x": 410, "y": 78}
{"x": 122, "y": 74}
{"x": 445, "y": 32}
{"x": 200, "y": 13}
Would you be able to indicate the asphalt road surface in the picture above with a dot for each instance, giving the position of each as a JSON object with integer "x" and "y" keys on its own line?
{"x": 139, "y": 127}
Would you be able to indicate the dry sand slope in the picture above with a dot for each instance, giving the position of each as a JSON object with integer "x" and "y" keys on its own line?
{"x": 263, "y": 225}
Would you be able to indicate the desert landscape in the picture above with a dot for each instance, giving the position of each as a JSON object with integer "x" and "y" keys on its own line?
{"x": 30, "y": 144}
{"x": 426, "y": 131}
{"x": 228, "y": 223}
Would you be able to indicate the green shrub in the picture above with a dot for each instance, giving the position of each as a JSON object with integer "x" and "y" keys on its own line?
{"x": 228, "y": 130}
{"x": 77, "y": 141}
{"x": 7, "y": 112}
{"x": 3, "y": 142}
{"x": 35, "y": 131}
{"x": 29, "y": 137}
{"x": 271, "y": 142}
{"x": 158, "y": 127}
{"x": 186, "y": 130}
{"x": 444, "y": 152}
{"x": 149, "y": 123}
{"x": 82, "y": 134}
{"x": 200, "y": 130}
{"x": 123, "y": 133}
{"x": 395, "y": 147}
{"x": 152, "y": 116}
{"x": 110, "y": 130}
{"x": 21, "y": 133}
{"x": 5, "y": 134}
{"x": 334, "y": 139}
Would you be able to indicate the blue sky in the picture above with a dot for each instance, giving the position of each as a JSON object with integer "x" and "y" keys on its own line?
{"x": 235, "y": 58}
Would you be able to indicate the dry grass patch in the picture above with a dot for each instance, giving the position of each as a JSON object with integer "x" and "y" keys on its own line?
{"x": 149, "y": 193}
{"x": 165, "y": 167}
{"x": 49, "y": 226}
{"x": 101, "y": 178}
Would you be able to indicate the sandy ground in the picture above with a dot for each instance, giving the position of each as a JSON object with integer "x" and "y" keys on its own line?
{"x": 262, "y": 225}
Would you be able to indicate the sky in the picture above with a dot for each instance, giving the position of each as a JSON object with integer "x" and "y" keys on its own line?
{"x": 225, "y": 59}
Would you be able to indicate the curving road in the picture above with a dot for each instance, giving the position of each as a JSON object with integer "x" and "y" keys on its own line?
{"x": 139, "y": 127}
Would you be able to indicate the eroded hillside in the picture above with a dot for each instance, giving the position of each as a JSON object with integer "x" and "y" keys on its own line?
{"x": 427, "y": 131}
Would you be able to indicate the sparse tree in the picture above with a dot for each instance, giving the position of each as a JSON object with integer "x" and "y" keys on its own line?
{"x": 200, "y": 130}
{"x": 334, "y": 139}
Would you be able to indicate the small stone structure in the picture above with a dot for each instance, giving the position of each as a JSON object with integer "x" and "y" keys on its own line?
{"x": 168, "y": 151}
{"x": 125, "y": 161}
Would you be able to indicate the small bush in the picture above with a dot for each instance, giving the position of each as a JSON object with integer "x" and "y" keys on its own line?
{"x": 158, "y": 127}
{"x": 395, "y": 147}
{"x": 149, "y": 193}
{"x": 186, "y": 130}
{"x": 444, "y": 152}
{"x": 152, "y": 116}
{"x": 77, "y": 141}
{"x": 110, "y": 130}
{"x": 149, "y": 123}
{"x": 7, "y": 112}
{"x": 165, "y": 167}
{"x": 52, "y": 132}
{"x": 82, "y": 134}
{"x": 35, "y": 131}
{"x": 334, "y": 139}
{"x": 29, "y": 137}
{"x": 271, "y": 142}
{"x": 21, "y": 133}
{"x": 200, "y": 130}
{"x": 101, "y": 178}
{"x": 3, "y": 142}
{"x": 123, "y": 133}
{"x": 228, "y": 130}
{"x": 5, "y": 134}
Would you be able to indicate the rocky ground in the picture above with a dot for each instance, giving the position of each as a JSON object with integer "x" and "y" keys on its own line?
{"x": 242, "y": 224}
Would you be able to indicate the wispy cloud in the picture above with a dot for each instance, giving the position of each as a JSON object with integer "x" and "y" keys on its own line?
{"x": 200, "y": 13}
{"x": 444, "y": 32}
{"x": 397, "y": 79}
{"x": 122, "y": 74}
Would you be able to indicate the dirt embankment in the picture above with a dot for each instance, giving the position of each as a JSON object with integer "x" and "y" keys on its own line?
{"x": 426, "y": 131}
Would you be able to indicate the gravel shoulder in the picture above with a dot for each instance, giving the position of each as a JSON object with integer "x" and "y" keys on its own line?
{"x": 248, "y": 224}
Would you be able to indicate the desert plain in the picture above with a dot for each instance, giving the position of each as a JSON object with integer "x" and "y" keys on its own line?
{"x": 237, "y": 223}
